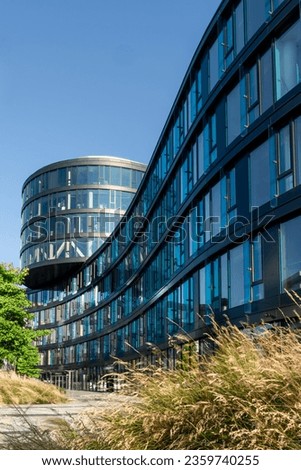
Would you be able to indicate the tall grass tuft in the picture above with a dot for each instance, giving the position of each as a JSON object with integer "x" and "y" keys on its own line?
{"x": 246, "y": 395}
{"x": 20, "y": 390}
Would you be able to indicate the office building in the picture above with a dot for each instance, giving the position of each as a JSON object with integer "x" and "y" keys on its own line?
{"x": 214, "y": 228}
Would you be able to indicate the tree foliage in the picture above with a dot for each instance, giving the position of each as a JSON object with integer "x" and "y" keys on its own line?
{"x": 16, "y": 334}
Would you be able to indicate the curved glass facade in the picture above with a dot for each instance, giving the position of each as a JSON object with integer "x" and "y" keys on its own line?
{"x": 214, "y": 227}
{"x": 70, "y": 208}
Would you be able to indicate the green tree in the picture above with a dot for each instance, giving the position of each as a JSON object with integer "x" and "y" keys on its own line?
{"x": 16, "y": 333}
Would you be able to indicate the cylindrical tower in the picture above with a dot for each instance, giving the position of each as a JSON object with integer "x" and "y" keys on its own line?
{"x": 69, "y": 208}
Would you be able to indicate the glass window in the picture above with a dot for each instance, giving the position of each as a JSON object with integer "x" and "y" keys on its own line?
{"x": 297, "y": 137}
{"x": 44, "y": 208}
{"x": 231, "y": 195}
{"x": 277, "y": 3}
{"x": 207, "y": 145}
{"x": 284, "y": 150}
{"x": 187, "y": 305}
{"x": 180, "y": 128}
{"x": 126, "y": 177}
{"x": 205, "y": 293}
{"x": 172, "y": 312}
{"x": 260, "y": 175}
{"x": 200, "y": 150}
{"x": 62, "y": 176}
{"x": 112, "y": 196}
{"x": 52, "y": 179}
{"x": 186, "y": 177}
{"x": 104, "y": 198}
{"x": 285, "y": 172}
{"x": 92, "y": 174}
{"x": 198, "y": 91}
{"x": 73, "y": 175}
{"x": 215, "y": 268}
{"x": 179, "y": 244}
{"x": 216, "y": 209}
{"x": 236, "y": 260}
{"x": 228, "y": 43}
{"x": 239, "y": 27}
{"x": 224, "y": 281}
{"x": 233, "y": 114}
{"x": 290, "y": 254}
{"x": 193, "y": 231}
{"x": 195, "y": 95}
{"x": 82, "y": 175}
{"x": 213, "y": 65}
{"x": 207, "y": 221}
{"x": 126, "y": 199}
{"x": 257, "y": 12}
{"x": 252, "y": 95}
{"x": 136, "y": 176}
{"x": 266, "y": 81}
{"x": 288, "y": 60}
{"x": 256, "y": 257}
{"x": 212, "y": 139}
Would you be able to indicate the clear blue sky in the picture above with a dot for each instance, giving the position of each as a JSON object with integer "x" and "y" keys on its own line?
{"x": 86, "y": 77}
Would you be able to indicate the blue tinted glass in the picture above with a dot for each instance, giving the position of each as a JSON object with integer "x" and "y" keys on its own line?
{"x": 213, "y": 64}
{"x": 284, "y": 149}
{"x": 288, "y": 60}
{"x": 260, "y": 175}
{"x": 187, "y": 305}
{"x": 237, "y": 286}
{"x": 205, "y": 293}
{"x": 233, "y": 114}
{"x": 62, "y": 176}
{"x": 277, "y": 3}
{"x": 126, "y": 177}
{"x": 266, "y": 71}
{"x": 192, "y": 102}
{"x": 82, "y": 176}
{"x": 257, "y": 259}
{"x": 224, "y": 282}
{"x": 298, "y": 149}
{"x": 226, "y": 46}
{"x": 92, "y": 175}
{"x": 290, "y": 254}
{"x": 201, "y": 163}
{"x": 239, "y": 27}
{"x": 199, "y": 93}
{"x": 286, "y": 183}
{"x": 256, "y": 14}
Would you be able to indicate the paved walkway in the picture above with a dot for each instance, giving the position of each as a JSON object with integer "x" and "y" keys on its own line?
{"x": 15, "y": 419}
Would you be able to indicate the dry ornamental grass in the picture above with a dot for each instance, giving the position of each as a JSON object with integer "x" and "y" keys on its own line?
{"x": 20, "y": 390}
{"x": 246, "y": 395}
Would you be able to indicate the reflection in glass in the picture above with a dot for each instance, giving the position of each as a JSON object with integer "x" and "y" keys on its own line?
{"x": 290, "y": 254}
{"x": 236, "y": 276}
{"x": 288, "y": 60}
{"x": 257, "y": 12}
{"x": 233, "y": 114}
{"x": 213, "y": 64}
{"x": 260, "y": 175}
{"x": 265, "y": 82}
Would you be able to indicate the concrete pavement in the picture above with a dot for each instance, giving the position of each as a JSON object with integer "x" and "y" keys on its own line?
{"x": 16, "y": 419}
